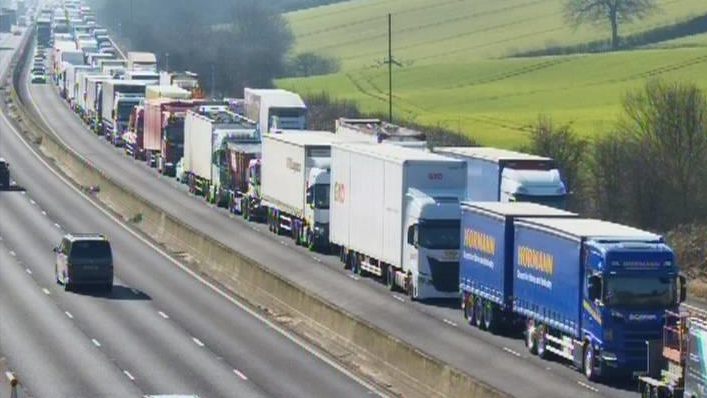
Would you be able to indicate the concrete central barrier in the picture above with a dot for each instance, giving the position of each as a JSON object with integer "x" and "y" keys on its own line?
{"x": 253, "y": 282}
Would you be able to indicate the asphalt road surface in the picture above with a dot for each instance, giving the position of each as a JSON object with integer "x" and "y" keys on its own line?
{"x": 160, "y": 331}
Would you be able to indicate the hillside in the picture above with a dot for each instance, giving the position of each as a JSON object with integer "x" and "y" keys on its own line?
{"x": 454, "y": 72}
{"x": 494, "y": 100}
{"x": 434, "y": 31}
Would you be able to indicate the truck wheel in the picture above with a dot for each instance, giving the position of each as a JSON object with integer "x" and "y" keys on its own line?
{"x": 490, "y": 320}
{"x": 68, "y": 287}
{"x": 530, "y": 341}
{"x": 469, "y": 313}
{"x": 310, "y": 241}
{"x": 56, "y": 275}
{"x": 479, "y": 312}
{"x": 589, "y": 363}
{"x": 390, "y": 278}
{"x": 541, "y": 342}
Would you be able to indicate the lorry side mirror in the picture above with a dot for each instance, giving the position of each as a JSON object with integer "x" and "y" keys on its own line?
{"x": 594, "y": 287}
{"x": 683, "y": 288}
{"x": 309, "y": 196}
{"x": 55, "y": 249}
{"x": 411, "y": 235}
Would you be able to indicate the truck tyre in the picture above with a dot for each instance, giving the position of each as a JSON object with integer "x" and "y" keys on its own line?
{"x": 310, "y": 241}
{"x": 469, "y": 313}
{"x": 390, "y": 278}
{"x": 479, "y": 312}
{"x": 490, "y": 319}
{"x": 530, "y": 341}
{"x": 541, "y": 342}
{"x": 68, "y": 287}
{"x": 589, "y": 363}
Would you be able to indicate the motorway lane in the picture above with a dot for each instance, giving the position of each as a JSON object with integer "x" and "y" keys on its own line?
{"x": 436, "y": 329}
{"x": 44, "y": 344}
{"x": 172, "y": 334}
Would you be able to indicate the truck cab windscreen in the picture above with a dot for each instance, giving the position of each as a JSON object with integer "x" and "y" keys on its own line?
{"x": 556, "y": 201}
{"x": 640, "y": 292}
{"x": 321, "y": 196}
{"x": 439, "y": 235}
{"x": 90, "y": 250}
{"x": 124, "y": 111}
{"x": 287, "y": 112}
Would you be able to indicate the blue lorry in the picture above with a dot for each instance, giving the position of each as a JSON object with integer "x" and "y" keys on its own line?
{"x": 589, "y": 291}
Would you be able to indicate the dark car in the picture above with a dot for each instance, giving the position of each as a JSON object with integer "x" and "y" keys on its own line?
{"x": 84, "y": 260}
{"x": 4, "y": 174}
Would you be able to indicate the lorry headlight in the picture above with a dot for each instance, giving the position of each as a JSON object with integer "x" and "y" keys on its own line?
{"x": 608, "y": 356}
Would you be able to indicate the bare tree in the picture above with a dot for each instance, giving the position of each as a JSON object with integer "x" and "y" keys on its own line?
{"x": 668, "y": 121}
{"x": 563, "y": 145}
{"x": 614, "y": 12}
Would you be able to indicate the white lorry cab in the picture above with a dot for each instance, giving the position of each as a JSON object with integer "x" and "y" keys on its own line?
{"x": 499, "y": 175}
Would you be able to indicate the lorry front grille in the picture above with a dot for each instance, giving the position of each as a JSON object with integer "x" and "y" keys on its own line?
{"x": 635, "y": 342}
{"x": 445, "y": 275}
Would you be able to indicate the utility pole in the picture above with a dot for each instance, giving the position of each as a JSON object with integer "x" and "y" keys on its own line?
{"x": 390, "y": 67}
{"x": 390, "y": 61}
{"x": 167, "y": 66}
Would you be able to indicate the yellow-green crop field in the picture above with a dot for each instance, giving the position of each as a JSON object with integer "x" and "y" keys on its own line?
{"x": 455, "y": 72}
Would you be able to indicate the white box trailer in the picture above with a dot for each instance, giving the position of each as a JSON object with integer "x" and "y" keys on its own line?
{"x": 275, "y": 109}
{"x": 395, "y": 213}
{"x": 295, "y": 178}
{"x": 85, "y": 101}
{"x": 204, "y": 130}
{"x": 72, "y": 80}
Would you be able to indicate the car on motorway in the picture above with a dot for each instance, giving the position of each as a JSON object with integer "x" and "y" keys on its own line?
{"x": 84, "y": 260}
{"x": 38, "y": 78}
{"x": 4, "y": 174}
{"x": 38, "y": 69}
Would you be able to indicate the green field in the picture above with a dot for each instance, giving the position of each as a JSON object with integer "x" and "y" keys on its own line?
{"x": 454, "y": 73}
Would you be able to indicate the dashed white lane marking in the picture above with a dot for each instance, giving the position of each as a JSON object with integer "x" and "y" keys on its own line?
{"x": 197, "y": 342}
{"x": 129, "y": 375}
{"x": 354, "y": 277}
{"x": 32, "y": 201}
{"x": 163, "y": 315}
{"x": 240, "y": 374}
{"x": 44, "y": 213}
{"x": 12, "y": 253}
{"x": 46, "y": 291}
{"x": 57, "y": 225}
{"x": 587, "y": 386}
{"x": 95, "y": 342}
{"x": 514, "y": 353}
{"x": 402, "y": 300}
{"x": 29, "y": 271}
{"x": 450, "y": 323}
{"x": 69, "y": 314}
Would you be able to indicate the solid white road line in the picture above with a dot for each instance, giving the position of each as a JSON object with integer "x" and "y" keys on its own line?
{"x": 46, "y": 291}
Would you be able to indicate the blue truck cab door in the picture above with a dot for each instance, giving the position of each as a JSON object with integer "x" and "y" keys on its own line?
{"x": 592, "y": 307}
